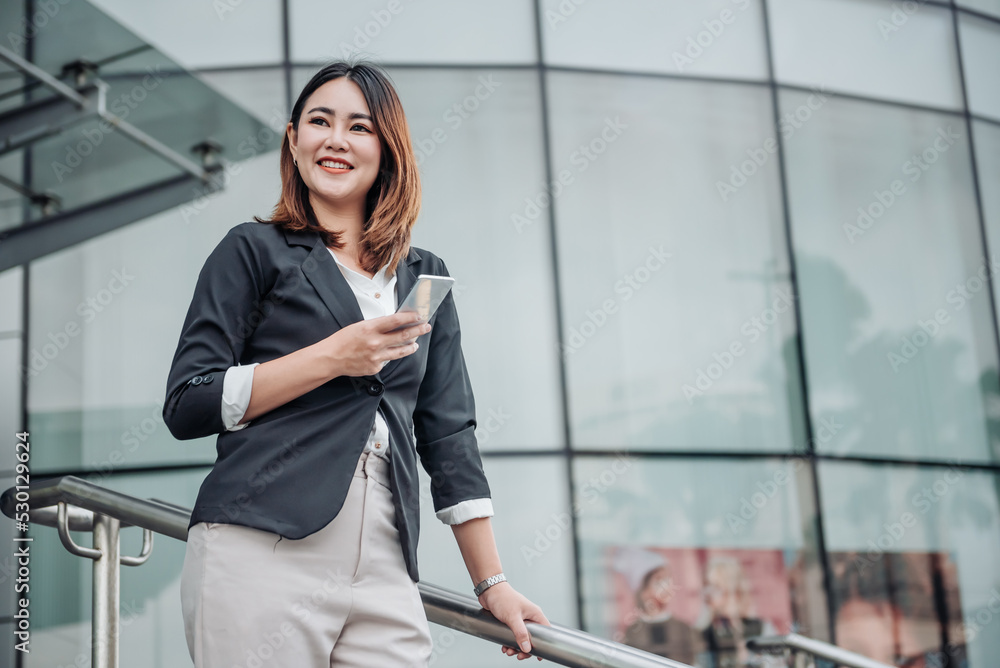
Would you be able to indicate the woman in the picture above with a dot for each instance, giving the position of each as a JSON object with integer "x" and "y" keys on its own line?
{"x": 302, "y": 544}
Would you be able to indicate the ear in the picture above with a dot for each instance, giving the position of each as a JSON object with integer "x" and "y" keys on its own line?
{"x": 293, "y": 139}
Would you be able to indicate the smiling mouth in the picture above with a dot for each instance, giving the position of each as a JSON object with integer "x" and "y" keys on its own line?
{"x": 335, "y": 165}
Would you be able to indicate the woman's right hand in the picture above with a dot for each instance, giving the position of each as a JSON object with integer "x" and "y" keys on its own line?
{"x": 362, "y": 348}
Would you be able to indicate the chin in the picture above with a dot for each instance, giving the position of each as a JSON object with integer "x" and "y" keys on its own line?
{"x": 340, "y": 195}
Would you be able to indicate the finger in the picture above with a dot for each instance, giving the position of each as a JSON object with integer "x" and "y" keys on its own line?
{"x": 521, "y": 656}
{"x": 403, "y": 350}
{"x": 520, "y": 634}
{"x": 396, "y": 320}
{"x": 410, "y": 334}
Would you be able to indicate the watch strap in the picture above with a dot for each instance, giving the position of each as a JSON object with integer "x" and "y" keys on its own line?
{"x": 489, "y": 582}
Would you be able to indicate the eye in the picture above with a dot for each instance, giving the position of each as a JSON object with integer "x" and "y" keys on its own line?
{"x": 359, "y": 125}
{"x": 318, "y": 118}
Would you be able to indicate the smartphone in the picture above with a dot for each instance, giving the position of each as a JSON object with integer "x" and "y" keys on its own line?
{"x": 425, "y": 297}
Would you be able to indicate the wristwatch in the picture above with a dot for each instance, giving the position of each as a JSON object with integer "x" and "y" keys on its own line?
{"x": 488, "y": 582}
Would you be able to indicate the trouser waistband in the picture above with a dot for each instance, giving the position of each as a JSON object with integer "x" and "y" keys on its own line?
{"x": 374, "y": 467}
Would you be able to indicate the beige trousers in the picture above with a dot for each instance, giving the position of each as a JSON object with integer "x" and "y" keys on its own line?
{"x": 338, "y": 597}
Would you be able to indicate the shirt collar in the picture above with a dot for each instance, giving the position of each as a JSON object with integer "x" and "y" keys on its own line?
{"x": 379, "y": 277}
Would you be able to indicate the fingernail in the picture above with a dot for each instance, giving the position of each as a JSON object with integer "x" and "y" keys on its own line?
{"x": 526, "y": 646}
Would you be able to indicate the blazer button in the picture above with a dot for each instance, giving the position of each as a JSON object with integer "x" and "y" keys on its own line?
{"x": 196, "y": 380}
{"x": 207, "y": 378}
{"x": 375, "y": 389}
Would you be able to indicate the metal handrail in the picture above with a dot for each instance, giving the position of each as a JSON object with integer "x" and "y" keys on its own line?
{"x": 817, "y": 648}
{"x": 97, "y": 505}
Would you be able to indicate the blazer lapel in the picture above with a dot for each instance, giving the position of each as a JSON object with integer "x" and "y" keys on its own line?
{"x": 325, "y": 276}
{"x": 322, "y": 272}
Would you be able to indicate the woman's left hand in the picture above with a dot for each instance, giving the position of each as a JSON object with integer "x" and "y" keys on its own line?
{"x": 513, "y": 609}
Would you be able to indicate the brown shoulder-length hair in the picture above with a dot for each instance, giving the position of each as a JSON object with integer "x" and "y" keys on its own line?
{"x": 393, "y": 202}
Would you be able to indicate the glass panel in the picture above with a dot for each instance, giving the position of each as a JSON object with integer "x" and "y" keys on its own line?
{"x": 987, "y": 6}
{"x": 915, "y": 542}
{"x": 152, "y": 627}
{"x": 11, "y": 302}
{"x": 986, "y": 138}
{"x": 980, "y": 56}
{"x": 90, "y": 160}
{"x": 700, "y": 519}
{"x": 205, "y": 34}
{"x": 403, "y": 31}
{"x": 12, "y": 202}
{"x": 713, "y": 37}
{"x": 12, "y": 15}
{"x": 892, "y": 55}
{"x": 10, "y": 398}
{"x": 259, "y": 92}
{"x": 65, "y": 32}
{"x": 101, "y": 357}
{"x": 655, "y": 359}
{"x": 492, "y": 119}
{"x": 900, "y": 346}
{"x": 531, "y": 502}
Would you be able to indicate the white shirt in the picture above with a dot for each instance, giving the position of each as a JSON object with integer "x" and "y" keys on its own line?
{"x": 377, "y": 297}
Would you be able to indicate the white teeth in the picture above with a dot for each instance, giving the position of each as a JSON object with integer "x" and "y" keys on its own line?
{"x": 335, "y": 165}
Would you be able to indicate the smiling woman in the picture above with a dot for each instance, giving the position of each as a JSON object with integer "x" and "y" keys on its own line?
{"x": 323, "y": 406}
{"x": 351, "y": 116}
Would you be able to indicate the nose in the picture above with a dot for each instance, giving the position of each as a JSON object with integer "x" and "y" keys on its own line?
{"x": 337, "y": 138}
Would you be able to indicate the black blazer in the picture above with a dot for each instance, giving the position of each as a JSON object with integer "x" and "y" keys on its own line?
{"x": 265, "y": 292}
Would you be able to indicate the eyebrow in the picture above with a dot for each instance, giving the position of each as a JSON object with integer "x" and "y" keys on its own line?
{"x": 330, "y": 112}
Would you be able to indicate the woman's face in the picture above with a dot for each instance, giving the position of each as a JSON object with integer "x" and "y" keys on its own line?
{"x": 336, "y": 147}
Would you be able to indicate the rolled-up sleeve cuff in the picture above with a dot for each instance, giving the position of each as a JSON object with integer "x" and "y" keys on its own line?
{"x": 236, "y": 387}
{"x": 465, "y": 511}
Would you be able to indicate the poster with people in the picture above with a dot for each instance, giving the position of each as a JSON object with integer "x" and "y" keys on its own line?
{"x": 699, "y": 606}
{"x": 901, "y": 608}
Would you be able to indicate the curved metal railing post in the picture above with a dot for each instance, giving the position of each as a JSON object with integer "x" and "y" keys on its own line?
{"x": 106, "y": 555}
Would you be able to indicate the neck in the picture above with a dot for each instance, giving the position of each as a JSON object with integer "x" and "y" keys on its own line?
{"x": 347, "y": 220}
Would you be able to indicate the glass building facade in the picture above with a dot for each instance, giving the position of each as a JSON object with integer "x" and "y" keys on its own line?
{"x": 726, "y": 272}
